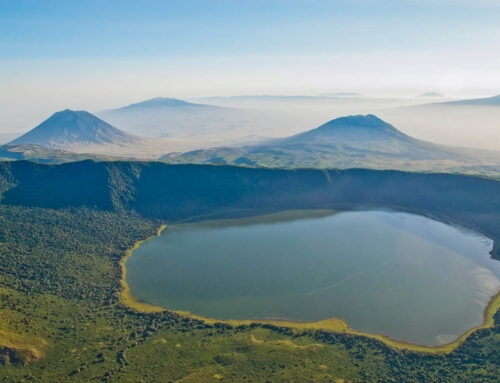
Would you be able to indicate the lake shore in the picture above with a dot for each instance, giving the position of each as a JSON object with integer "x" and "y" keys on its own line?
{"x": 336, "y": 325}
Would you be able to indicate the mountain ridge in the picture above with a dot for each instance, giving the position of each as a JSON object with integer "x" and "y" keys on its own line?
{"x": 155, "y": 102}
{"x": 363, "y": 141}
{"x": 483, "y": 101}
{"x": 175, "y": 192}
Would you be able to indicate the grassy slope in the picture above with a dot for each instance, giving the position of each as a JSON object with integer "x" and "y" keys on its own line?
{"x": 64, "y": 292}
{"x": 37, "y": 153}
{"x": 414, "y": 156}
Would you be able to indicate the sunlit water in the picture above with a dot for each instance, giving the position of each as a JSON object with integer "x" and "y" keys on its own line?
{"x": 402, "y": 275}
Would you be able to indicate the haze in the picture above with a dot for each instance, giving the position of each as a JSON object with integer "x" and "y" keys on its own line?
{"x": 250, "y": 191}
{"x": 96, "y": 56}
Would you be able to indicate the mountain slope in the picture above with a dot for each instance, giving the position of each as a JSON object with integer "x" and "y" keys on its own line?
{"x": 486, "y": 101}
{"x": 69, "y": 130}
{"x": 347, "y": 142}
{"x": 348, "y": 129}
{"x": 472, "y": 123}
{"x": 83, "y": 133}
{"x": 172, "y": 192}
{"x": 44, "y": 155}
{"x": 162, "y": 102}
{"x": 170, "y": 117}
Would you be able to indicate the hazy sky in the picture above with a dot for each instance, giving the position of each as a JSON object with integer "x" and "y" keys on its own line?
{"x": 100, "y": 54}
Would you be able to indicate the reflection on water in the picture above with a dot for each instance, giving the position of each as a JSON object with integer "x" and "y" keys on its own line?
{"x": 403, "y": 275}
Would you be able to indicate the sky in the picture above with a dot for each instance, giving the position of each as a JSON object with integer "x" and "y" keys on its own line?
{"x": 95, "y": 55}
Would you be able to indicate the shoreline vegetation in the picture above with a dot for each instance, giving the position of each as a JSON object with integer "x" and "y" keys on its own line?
{"x": 126, "y": 296}
{"x": 88, "y": 334}
{"x": 335, "y": 325}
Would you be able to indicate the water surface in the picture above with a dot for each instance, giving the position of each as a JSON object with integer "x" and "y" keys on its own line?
{"x": 402, "y": 275}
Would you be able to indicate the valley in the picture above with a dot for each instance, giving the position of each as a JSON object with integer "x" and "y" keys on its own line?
{"x": 249, "y": 191}
{"x": 97, "y": 214}
{"x": 75, "y": 167}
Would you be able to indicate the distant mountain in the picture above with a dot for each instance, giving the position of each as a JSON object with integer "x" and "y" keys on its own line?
{"x": 83, "y": 133}
{"x": 472, "y": 123}
{"x": 348, "y": 142}
{"x": 170, "y": 117}
{"x": 162, "y": 102}
{"x": 341, "y": 94}
{"x": 278, "y": 97}
{"x": 486, "y": 101}
{"x": 347, "y": 130}
{"x": 41, "y": 154}
{"x": 69, "y": 130}
{"x": 431, "y": 95}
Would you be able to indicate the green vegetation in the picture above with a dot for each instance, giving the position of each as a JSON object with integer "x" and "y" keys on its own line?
{"x": 340, "y": 157}
{"x": 180, "y": 192}
{"x": 64, "y": 231}
{"x": 126, "y": 296}
{"x": 37, "y": 153}
{"x": 60, "y": 284}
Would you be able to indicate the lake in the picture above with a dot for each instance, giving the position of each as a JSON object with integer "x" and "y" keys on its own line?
{"x": 403, "y": 275}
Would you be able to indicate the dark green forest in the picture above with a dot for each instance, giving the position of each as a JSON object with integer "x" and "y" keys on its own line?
{"x": 65, "y": 228}
{"x": 181, "y": 192}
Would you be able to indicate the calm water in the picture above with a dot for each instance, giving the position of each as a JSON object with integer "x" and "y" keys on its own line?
{"x": 402, "y": 275}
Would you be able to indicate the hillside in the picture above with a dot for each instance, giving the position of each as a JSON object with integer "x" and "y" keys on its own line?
{"x": 64, "y": 319}
{"x": 172, "y": 192}
{"x": 79, "y": 132}
{"x": 37, "y": 153}
{"x": 70, "y": 130}
{"x": 347, "y": 142}
{"x": 469, "y": 123}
